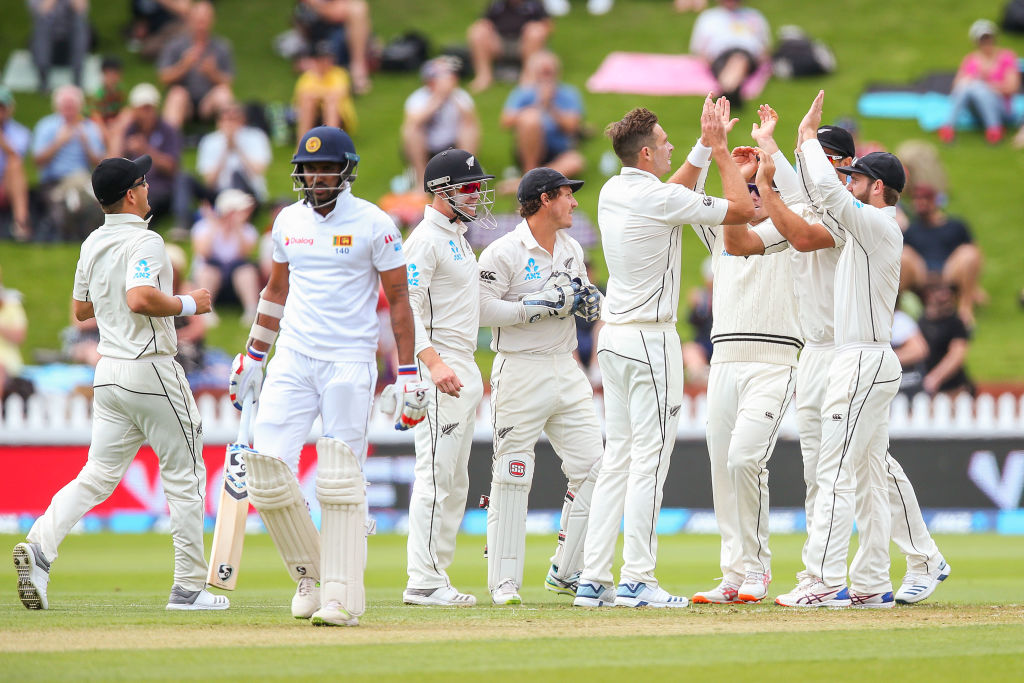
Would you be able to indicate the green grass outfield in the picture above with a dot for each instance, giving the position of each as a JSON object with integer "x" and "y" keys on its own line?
{"x": 107, "y": 622}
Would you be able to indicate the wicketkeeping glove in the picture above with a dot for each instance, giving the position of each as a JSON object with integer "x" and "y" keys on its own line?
{"x": 588, "y": 301}
{"x": 555, "y": 301}
{"x": 246, "y": 376}
{"x": 413, "y": 395}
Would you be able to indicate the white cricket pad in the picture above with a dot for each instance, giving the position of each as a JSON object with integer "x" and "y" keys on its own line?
{"x": 511, "y": 477}
{"x": 341, "y": 490}
{"x": 572, "y": 530}
{"x": 274, "y": 492}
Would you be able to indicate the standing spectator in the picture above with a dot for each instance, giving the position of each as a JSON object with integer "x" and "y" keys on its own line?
{"x": 198, "y": 68}
{"x": 937, "y": 245}
{"x": 234, "y": 155}
{"x": 14, "y": 142}
{"x": 221, "y": 245}
{"x": 948, "y": 341}
{"x": 439, "y": 115}
{"x": 323, "y": 94}
{"x": 988, "y": 77}
{"x": 545, "y": 116}
{"x": 66, "y": 146}
{"x": 13, "y": 328}
{"x": 106, "y": 104}
{"x": 346, "y": 25}
{"x": 155, "y": 23}
{"x": 54, "y": 21}
{"x": 508, "y": 28}
{"x": 734, "y": 41}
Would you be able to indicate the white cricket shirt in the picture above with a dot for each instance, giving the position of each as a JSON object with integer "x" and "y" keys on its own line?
{"x": 443, "y": 289}
{"x": 640, "y": 219}
{"x": 119, "y": 255}
{"x": 513, "y": 266}
{"x": 334, "y": 263}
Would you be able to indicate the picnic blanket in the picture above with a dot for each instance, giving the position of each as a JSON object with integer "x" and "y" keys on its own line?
{"x": 640, "y": 73}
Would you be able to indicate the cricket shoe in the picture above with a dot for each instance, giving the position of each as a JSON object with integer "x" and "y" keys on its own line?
{"x": 812, "y": 592}
{"x": 33, "y": 575}
{"x": 755, "y": 587}
{"x": 724, "y": 594}
{"x": 590, "y": 594}
{"x": 555, "y": 584}
{"x": 445, "y": 596}
{"x": 306, "y": 600}
{"x": 333, "y": 614}
{"x": 871, "y": 600}
{"x": 506, "y": 593}
{"x": 182, "y": 599}
{"x": 641, "y": 595}
{"x": 917, "y": 587}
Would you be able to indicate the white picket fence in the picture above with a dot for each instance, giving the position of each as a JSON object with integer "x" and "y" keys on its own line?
{"x": 65, "y": 420}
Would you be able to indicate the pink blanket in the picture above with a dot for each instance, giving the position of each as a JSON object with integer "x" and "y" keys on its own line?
{"x": 648, "y": 74}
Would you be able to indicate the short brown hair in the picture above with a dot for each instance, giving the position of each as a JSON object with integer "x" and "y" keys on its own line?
{"x": 890, "y": 196}
{"x": 530, "y": 207}
{"x": 634, "y": 132}
{"x": 116, "y": 207}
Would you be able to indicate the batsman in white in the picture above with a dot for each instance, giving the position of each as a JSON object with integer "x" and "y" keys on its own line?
{"x": 140, "y": 393}
{"x": 815, "y": 255}
{"x": 332, "y": 252}
{"x": 533, "y": 282}
{"x": 641, "y": 221}
{"x": 443, "y": 275}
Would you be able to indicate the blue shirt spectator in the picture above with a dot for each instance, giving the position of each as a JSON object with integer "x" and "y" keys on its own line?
{"x": 65, "y": 142}
{"x": 566, "y": 98}
{"x": 17, "y": 137}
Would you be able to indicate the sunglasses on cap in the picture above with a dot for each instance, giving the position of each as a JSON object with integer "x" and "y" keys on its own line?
{"x": 469, "y": 188}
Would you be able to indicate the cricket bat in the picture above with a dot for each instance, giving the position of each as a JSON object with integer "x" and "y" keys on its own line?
{"x": 229, "y": 530}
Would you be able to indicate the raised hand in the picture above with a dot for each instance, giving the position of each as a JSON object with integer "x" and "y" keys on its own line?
{"x": 765, "y": 131}
{"x": 712, "y": 131}
{"x": 765, "y": 171}
{"x": 812, "y": 119}
{"x": 723, "y": 107}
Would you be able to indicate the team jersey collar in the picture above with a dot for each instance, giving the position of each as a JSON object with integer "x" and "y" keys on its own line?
{"x": 437, "y": 218}
{"x": 889, "y": 211}
{"x": 343, "y": 198}
{"x": 633, "y": 170}
{"x": 116, "y": 220}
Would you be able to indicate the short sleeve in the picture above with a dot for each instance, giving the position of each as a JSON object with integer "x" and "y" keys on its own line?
{"x": 683, "y": 205}
{"x": 387, "y": 245}
{"x": 416, "y": 100}
{"x": 517, "y": 99}
{"x": 568, "y": 99}
{"x": 171, "y": 54}
{"x": 145, "y": 262}
{"x": 277, "y": 252}
{"x": 80, "y": 292}
{"x": 225, "y": 60}
{"x": 210, "y": 148}
{"x": 463, "y": 99}
{"x": 770, "y": 236}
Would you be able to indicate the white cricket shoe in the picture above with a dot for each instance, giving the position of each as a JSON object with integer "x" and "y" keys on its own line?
{"x": 506, "y": 593}
{"x": 557, "y": 8}
{"x": 590, "y": 594}
{"x": 333, "y": 614}
{"x": 33, "y": 575}
{"x": 182, "y": 599}
{"x": 642, "y": 595}
{"x": 755, "y": 587}
{"x": 445, "y": 596}
{"x": 556, "y": 584}
{"x": 917, "y": 587}
{"x": 306, "y": 600}
{"x": 871, "y": 600}
{"x": 812, "y": 592}
{"x": 724, "y": 594}
{"x": 599, "y": 7}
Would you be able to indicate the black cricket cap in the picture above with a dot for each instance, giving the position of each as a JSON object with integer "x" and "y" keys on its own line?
{"x": 541, "y": 180}
{"x": 879, "y": 166}
{"x": 113, "y": 177}
{"x": 838, "y": 139}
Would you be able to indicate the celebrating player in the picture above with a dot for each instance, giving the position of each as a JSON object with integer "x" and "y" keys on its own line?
{"x": 123, "y": 279}
{"x": 641, "y": 219}
{"x": 443, "y": 287}
{"x": 332, "y": 252}
{"x": 527, "y": 295}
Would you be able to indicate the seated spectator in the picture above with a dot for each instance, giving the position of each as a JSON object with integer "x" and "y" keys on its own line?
{"x": 987, "y": 79}
{"x": 14, "y": 142}
{"x": 545, "y": 116}
{"x": 734, "y": 41}
{"x": 13, "y": 330}
{"x": 948, "y": 342}
{"x": 155, "y": 23}
{"x": 345, "y": 24}
{"x": 105, "y": 105}
{"x": 147, "y": 133}
{"x": 938, "y": 245}
{"x": 198, "y": 68}
{"x": 221, "y": 245}
{"x": 80, "y": 341}
{"x": 697, "y": 353}
{"x": 509, "y": 28}
{"x": 912, "y": 350}
{"x": 323, "y": 94}
{"x": 234, "y": 155}
{"x": 191, "y": 329}
{"x": 265, "y": 252}
{"x": 438, "y": 115}
{"x": 59, "y": 22}
{"x": 65, "y": 147}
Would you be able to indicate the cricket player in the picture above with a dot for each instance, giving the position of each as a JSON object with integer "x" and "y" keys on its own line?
{"x": 123, "y": 279}
{"x": 443, "y": 290}
{"x": 527, "y": 296}
{"x": 815, "y": 254}
{"x": 332, "y": 253}
{"x": 641, "y": 220}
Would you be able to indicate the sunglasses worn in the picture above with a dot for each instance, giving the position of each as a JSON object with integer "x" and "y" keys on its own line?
{"x": 469, "y": 188}
{"x": 753, "y": 188}
{"x": 141, "y": 181}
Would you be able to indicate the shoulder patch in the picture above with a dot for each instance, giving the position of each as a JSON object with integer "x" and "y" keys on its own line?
{"x": 708, "y": 201}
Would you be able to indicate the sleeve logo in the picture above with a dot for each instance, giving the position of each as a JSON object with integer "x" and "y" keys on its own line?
{"x": 142, "y": 270}
{"x": 414, "y": 275}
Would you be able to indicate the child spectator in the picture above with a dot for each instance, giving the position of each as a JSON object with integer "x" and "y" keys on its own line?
{"x": 323, "y": 94}
{"x": 221, "y": 245}
{"x": 106, "y": 104}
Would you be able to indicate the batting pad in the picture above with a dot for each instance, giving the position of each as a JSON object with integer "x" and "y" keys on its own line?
{"x": 274, "y": 492}
{"x": 341, "y": 490}
{"x": 572, "y": 530}
{"x": 511, "y": 478}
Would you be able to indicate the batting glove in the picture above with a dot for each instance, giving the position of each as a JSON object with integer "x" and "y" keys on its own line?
{"x": 246, "y": 376}
{"x": 588, "y": 302}
{"x": 413, "y": 393}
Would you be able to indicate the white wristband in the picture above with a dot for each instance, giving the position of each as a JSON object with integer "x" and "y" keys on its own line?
{"x": 700, "y": 155}
{"x": 188, "y": 305}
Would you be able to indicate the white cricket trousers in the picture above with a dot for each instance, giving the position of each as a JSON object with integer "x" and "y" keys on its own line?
{"x": 135, "y": 401}
{"x": 642, "y": 368}
{"x": 438, "y": 500}
{"x": 746, "y": 402}
{"x": 909, "y": 532}
{"x": 851, "y": 472}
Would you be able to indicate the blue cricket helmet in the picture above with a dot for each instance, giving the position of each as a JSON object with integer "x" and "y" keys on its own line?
{"x": 325, "y": 144}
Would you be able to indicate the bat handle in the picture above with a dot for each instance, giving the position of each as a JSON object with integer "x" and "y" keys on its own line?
{"x": 245, "y": 422}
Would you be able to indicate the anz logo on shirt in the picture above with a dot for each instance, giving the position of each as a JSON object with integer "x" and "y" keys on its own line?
{"x": 456, "y": 250}
{"x": 532, "y": 270}
{"x": 142, "y": 270}
{"x": 414, "y": 275}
